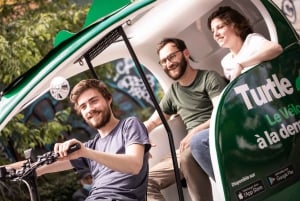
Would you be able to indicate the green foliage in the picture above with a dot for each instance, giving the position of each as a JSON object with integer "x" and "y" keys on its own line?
{"x": 12, "y": 191}
{"x": 58, "y": 186}
{"x": 27, "y": 34}
{"x": 30, "y": 135}
{"x": 51, "y": 187}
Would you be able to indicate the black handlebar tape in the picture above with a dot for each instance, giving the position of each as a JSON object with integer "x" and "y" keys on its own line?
{"x": 73, "y": 148}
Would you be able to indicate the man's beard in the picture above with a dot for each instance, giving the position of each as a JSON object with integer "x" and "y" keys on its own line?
{"x": 182, "y": 67}
{"x": 106, "y": 114}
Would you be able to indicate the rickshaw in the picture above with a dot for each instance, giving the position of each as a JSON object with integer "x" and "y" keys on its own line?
{"x": 254, "y": 133}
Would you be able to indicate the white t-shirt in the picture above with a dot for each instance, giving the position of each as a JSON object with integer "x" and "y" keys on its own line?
{"x": 253, "y": 43}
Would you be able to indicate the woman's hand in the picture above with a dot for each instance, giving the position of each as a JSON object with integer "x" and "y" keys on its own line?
{"x": 236, "y": 72}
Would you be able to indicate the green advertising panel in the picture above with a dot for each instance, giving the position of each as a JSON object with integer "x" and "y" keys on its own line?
{"x": 257, "y": 132}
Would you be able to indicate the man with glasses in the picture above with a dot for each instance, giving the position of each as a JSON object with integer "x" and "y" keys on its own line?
{"x": 192, "y": 96}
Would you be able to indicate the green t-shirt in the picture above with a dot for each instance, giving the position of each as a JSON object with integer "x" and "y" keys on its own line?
{"x": 193, "y": 103}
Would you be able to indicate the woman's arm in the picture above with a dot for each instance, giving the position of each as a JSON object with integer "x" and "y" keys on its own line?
{"x": 268, "y": 51}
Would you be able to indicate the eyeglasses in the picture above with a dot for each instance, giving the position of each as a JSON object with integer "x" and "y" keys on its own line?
{"x": 171, "y": 57}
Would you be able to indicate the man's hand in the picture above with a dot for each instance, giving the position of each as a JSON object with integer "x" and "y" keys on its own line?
{"x": 64, "y": 149}
{"x": 185, "y": 142}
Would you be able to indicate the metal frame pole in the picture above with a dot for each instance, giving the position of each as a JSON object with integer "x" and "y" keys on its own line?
{"x": 158, "y": 109}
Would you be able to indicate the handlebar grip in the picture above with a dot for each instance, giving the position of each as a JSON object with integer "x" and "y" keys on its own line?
{"x": 73, "y": 148}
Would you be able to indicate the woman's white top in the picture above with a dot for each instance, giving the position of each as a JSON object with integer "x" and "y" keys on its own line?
{"x": 252, "y": 44}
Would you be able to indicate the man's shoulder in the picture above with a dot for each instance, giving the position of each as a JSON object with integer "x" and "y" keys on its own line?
{"x": 208, "y": 73}
{"x": 131, "y": 119}
{"x": 211, "y": 77}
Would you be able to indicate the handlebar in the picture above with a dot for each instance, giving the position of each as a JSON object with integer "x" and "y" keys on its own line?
{"x": 28, "y": 167}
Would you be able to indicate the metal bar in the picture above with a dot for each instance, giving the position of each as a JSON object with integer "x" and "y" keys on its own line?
{"x": 158, "y": 109}
{"x": 90, "y": 65}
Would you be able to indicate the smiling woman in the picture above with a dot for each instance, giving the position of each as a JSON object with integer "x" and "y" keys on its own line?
{"x": 233, "y": 31}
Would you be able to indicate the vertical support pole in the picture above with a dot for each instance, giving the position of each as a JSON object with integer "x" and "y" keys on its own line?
{"x": 89, "y": 63}
{"x": 158, "y": 109}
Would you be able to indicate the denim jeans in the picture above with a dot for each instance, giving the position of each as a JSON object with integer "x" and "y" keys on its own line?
{"x": 200, "y": 151}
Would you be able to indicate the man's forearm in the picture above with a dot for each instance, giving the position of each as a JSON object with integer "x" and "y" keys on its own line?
{"x": 57, "y": 166}
{"x": 15, "y": 165}
{"x": 200, "y": 127}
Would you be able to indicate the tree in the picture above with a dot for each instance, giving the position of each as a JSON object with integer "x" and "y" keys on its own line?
{"x": 28, "y": 29}
{"x": 27, "y": 32}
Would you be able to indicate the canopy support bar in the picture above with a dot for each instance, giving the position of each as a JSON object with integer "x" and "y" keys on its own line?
{"x": 158, "y": 109}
